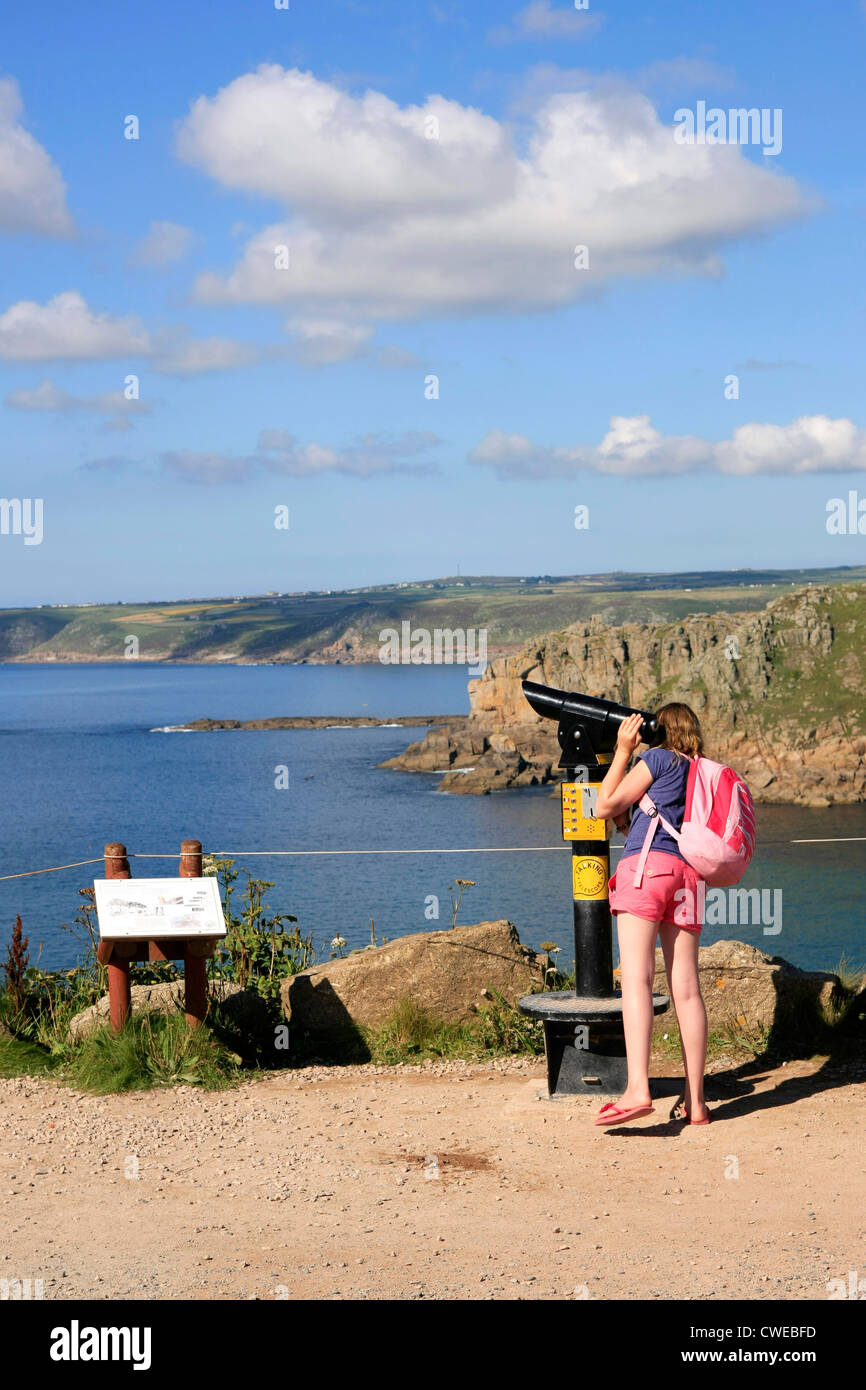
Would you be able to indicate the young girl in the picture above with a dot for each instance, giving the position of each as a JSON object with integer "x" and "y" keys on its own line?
{"x": 654, "y": 909}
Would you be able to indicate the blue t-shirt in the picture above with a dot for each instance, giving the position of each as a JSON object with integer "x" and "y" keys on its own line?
{"x": 668, "y": 791}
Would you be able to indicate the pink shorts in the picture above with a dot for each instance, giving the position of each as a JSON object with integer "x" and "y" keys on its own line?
{"x": 669, "y": 892}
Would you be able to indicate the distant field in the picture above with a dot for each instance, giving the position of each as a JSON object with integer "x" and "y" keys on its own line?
{"x": 345, "y": 626}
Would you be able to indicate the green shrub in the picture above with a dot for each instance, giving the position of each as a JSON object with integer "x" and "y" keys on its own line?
{"x": 150, "y": 1050}
{"x": 502, "y": 1028}
{"x": 412, "y": 1033}
{"x": 258, "y": 951}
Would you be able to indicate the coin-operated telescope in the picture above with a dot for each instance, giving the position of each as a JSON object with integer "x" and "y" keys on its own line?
{"x": 587, "y": 726}
{"x": 584, "y": 1042}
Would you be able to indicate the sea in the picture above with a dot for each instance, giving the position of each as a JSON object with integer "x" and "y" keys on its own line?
{"x": 353, "y": 850}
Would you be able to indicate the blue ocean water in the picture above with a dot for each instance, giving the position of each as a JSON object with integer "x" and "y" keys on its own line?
{"x": 82, "y": 765}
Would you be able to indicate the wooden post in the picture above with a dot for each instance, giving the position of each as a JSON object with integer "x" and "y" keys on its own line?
{"x": 194, "y": 966}
{"x": 117, "y": 866}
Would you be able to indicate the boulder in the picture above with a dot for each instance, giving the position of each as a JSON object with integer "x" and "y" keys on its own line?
{"x": 243, "y": 1008}
{"x": 446, "y": 972}
{"x": 745, "y": 988}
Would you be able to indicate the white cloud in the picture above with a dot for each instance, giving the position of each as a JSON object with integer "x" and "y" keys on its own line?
{"x": 371, "y": 453}
{"x": 632, "y": 446}
{"x": 32, "y": 190}
{"x": 390, "y": 355}
{"x": 811, "y": 444}
{"x": 322, "y": 341}
{"x": 188, "y": 356}
{"x": 48, "y": 397}
{"x": 385, "y": 224}
{"x": 286, "y": 135}
{"x": 164, "y": 244}
{"x": 66, "y": 327}
{"x": 279, "y": 452}
{"x": 685, "y": 72}
{"x": 542, "y": 20}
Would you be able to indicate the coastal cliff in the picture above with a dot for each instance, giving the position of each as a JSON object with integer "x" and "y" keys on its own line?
{"x": 779, "y": 692}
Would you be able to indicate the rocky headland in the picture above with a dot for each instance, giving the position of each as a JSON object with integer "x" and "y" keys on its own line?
{"x": 779, "y": 692}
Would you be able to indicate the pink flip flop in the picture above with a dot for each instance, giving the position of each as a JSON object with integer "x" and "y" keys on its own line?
{"x": 615, "y": 1116}
{"x": 685, "y": 1117}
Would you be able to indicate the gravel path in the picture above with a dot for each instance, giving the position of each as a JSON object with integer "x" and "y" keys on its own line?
{"x": 451, "y": 1181}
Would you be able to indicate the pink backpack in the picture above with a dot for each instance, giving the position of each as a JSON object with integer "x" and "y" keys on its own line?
{"x": 718, "y": 831}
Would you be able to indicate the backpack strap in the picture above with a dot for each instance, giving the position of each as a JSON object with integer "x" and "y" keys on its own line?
{"x": 649, "y": 808}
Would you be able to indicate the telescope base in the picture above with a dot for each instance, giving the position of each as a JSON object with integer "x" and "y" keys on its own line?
{"x": 584, "y": 1043}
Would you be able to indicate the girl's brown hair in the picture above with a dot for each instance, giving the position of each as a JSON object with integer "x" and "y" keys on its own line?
{"x": 680, "y": 730}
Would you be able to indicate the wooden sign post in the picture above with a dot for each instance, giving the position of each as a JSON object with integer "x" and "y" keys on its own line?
{"x": 191, "y": 928}
{"x": 195, "y": 952}
{"x": 117, "y": 960}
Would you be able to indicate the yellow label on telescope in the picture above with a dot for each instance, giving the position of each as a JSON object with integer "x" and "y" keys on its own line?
{"x": 589, "y": 878}
{"x": 579, "y": 821}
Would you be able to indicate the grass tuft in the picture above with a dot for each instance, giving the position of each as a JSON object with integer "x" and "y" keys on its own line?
{"x": 150, "y": 1050}
{"x": 23, "y": 1057}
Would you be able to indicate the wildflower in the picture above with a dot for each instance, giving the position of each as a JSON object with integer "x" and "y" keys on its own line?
{"x": 550, "y": 948}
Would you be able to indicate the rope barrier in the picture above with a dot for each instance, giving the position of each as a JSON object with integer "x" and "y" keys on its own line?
{"x": 483, "y": 849}
{"x": 841, "y": 840}
{"x": 306, "y": 853}
{"x": 58, "y": 868}
{"x": 30, "y": 873}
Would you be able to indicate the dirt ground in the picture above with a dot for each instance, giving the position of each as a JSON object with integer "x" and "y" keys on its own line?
{"x": 448, "y": 1181}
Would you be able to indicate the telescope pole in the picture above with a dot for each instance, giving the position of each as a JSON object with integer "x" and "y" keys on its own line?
{"x": 593, "y": 949}
{"x": 590, "y": 871}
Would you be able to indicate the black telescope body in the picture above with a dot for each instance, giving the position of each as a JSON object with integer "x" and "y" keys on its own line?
{"x": 587, "y": 726}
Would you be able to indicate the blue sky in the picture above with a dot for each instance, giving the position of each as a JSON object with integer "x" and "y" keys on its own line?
{"x": 430, "y": 170}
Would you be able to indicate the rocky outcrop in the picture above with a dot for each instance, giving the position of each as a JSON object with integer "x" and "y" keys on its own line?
{"x": 447, "y": 972}
{"x": 240, "y": 1007}
{"x": 747, "y": 990}
{"x": 310, "y": 721}
{"x": 779, "y": 693}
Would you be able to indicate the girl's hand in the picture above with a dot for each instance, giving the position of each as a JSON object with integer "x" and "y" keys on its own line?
{"x": 629, "y": 736}
{"x": 623, "y": 822}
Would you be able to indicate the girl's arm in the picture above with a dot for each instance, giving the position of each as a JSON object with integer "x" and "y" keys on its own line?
{"x": 619, "y": 790}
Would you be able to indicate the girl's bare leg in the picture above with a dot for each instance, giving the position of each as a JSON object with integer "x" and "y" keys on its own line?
{"x": 680, "y": 949}
{"x": 637, "y": 939}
